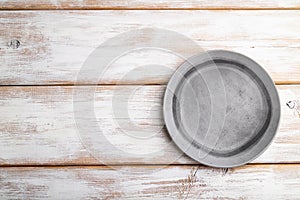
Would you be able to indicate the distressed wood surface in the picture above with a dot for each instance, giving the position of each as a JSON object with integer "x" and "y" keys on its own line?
{"x": 38, "y": 126}
{"x": 147, "y": 4}
{"x": 55, "y": 44}
{"x": 151, "y": 182}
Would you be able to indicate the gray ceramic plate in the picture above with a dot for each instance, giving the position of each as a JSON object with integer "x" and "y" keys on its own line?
{"x": 221, "y": 108}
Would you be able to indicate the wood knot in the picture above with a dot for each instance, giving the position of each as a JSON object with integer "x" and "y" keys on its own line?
{"x": 290, "y": 104}
{"x": 295, "y": 105}
{"x": 14, "y": 44}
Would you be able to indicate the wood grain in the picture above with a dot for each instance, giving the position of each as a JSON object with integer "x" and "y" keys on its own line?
{"x": 151, "y": 182}
{"x": 38, "y": 125}
{"x": 147, "y": 4}
{"x": 55, "y": 44}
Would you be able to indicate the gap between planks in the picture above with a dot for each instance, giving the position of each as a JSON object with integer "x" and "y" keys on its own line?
{"x": 138, "y": 165}
{"x": 149, "y": 5}
{"x": 123, "y": 84}
{"x": 124, "y": 8}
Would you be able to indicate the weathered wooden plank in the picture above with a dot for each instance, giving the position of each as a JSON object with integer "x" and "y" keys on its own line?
{"x": 38, "y": 126}
{"x": 147, "y": 4}
{"x": 55, "y": 44}
{"x": 151, "y": 182}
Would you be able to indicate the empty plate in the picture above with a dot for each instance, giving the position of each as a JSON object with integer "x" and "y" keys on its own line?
{"x": 221, "y": 108}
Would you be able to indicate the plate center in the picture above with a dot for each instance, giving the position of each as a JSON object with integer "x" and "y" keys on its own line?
{"x": 221, "y": 115}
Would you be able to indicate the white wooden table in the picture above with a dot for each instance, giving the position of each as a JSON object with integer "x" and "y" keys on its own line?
{"x": 43, "y": 45}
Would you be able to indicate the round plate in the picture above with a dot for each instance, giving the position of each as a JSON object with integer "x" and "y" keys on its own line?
{"x": 221, "y": 108}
